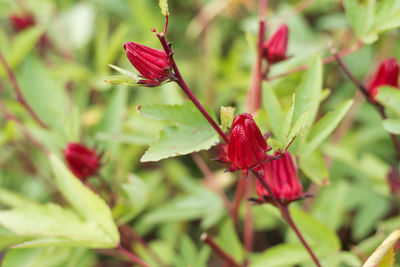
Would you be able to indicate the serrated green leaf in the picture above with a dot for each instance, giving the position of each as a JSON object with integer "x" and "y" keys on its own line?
{"x": 86, "y": 203}
{"x": 384, "y": 252}
{"x": 164, "y": 7}
{"x": 390, "y": 98}
{"x": 392, "y": 125}
{"x": 193, "y": 132}
{"x": 309, "y": 91}
{"x": 324, "y": 127}
{"x": 273, "y": 108}
{"x": 387, "y": 15}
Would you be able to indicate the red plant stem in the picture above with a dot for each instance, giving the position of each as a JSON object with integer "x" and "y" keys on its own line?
{"x": 283, "y": 208}
{"x": 254, "y": 93}
{"x": 288, "y": 218}
{"x": 237, "y": 200}
{"x": 326, "y": 60}
{"x": 248, "y": 233}
{"x": 363, "y": 90}
{"x": 181, "y": 82}
{"x": 131, "y": 256}
{"x": 18, "y": 91}
{"x": 217, "y": 249}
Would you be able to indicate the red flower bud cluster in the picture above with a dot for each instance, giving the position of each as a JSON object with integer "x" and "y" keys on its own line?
{"x": 82, "y": 161}
{"x": 246, "y": 145}
{"x": 276, "y": 46}
{"x": 22, "y": 21}
{"x": 281, "y": 176}
{"x": 153, "y": 65}
{"x": 387, "y": 74}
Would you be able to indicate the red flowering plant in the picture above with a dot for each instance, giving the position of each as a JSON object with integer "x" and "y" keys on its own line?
{"x": 303, "y": 177}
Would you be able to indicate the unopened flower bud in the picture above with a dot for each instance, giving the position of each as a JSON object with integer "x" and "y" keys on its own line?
{"x": 153, "y": 65}
{"x": 246, "y": 145}
{"x": 82, "y": 161}
{"x": 22, "y": 21}
{"x": 393, "y": 179}
{"x": 276, "y": 46}
{"x": 387, "y": 74}
{"x": 281, "y": 176}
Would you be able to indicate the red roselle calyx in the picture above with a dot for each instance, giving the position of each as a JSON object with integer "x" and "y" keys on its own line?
{"x": 387, "y": 74}
{"x": 22, "y": 21}
{"x": 82, "y": 161}
{"x": 281, "y": 176}
{"x": 276, "y": 46}
{"x": 246, "y": 145}
{"x": 153, "y": 65}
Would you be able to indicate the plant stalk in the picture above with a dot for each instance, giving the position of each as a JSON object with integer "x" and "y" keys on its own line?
{"x": 217, "y": 249}
{"x": 131, "y": 256}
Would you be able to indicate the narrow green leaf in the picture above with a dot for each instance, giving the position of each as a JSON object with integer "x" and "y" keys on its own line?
{"x": 276, "y": 145}
{"x": 226, "y": 115}
{"x": 381, "y": 253}
{"x": 313, "y": 166}
{"x": 89, "y": 205}
{"x": 120, "y": 79}
{"x": 324, "y": 127}
{"x": 286, "y": 123}
{"x": 387, "y": 15}
{"x": 297, "y": 128}
{"x": 229, "y": 241}
{"x": 309, "y": 91}
{"x": 164, "y": 7}
{"x": 392, "y": 125}
{"x": 11, "y": 199}
{"x": 361, "y": 15}
{"x": 273, "y": 108}
{"x": 390, "y": 98}
{"x": 125, "y": 72}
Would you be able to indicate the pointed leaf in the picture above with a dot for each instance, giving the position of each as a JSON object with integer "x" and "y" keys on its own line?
{"x": 164, "y": 7}
{"x": 273, "y": 108}
{"x": 381, "y": 253}
{"x": 392, "y": 125}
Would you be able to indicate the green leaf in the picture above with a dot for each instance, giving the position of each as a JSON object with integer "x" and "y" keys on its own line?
{"x": 191, "y": 134}
{"x": 309, "y": 91}
{"x": 121, "y": 79}
{"x": 383, "y": 256}
{"x": 22, "y": 45}
{"x": 297, "y": 128}
{"x": 226, "y": 114}
{"x": 11, "y": 199}
{"x": 390, "y": 98}
{"x": 313, "y": 166}
{"x": 285, "y": 124}
{"x": 392, "y": 125}
{"x": 86, "y": 203}
{"x": 273, "y": 108}
{"x": 229, "y": 241}
{"x": 125, "y": 72}
{"x": 164, "y": 7}
{"x": 387, "y": 15}
{"x": 324, "y": 127}
{"x": 276, "y": 145}
{"x": 360, "y": 14}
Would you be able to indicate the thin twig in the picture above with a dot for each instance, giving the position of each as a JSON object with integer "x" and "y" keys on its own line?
{"x": 18, "y": 91}
{"x": 326, "y": 60}
{"x": 363, "y": 90}
{"x": 181, "y": 82}
{"x": 131, "y": 256}
{"x": 217, "y": 249}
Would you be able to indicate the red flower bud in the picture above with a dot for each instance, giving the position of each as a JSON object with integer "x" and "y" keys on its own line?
{"x": 275, "y": 47}
{"x": 22, "y": 21}
{"x": 281, "y": 176}
{"x": 387, "y": 74}
{"x": 246, "y": 145}
{"x": 82, "y": 161}
{"x": 154, "y": 65}
{"x": 393, "y": 179}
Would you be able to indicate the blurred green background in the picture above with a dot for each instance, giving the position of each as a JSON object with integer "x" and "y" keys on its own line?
{"x": 169, "y": 203}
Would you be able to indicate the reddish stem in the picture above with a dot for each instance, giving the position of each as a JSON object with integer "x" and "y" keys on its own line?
{"x": 18, "y": 91}
{"x": 364, "y": 91}
{"x": 217, "y": 249}
{"x": 254, "y": 94}
{"x": 326, "y": 60}
{"x": 131, "y": 256}
{"x": 237, "y": 200}
{"x": 248, "y": 233}
{"x": 283, "y": 208}
{"x": 181, "y": 82}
